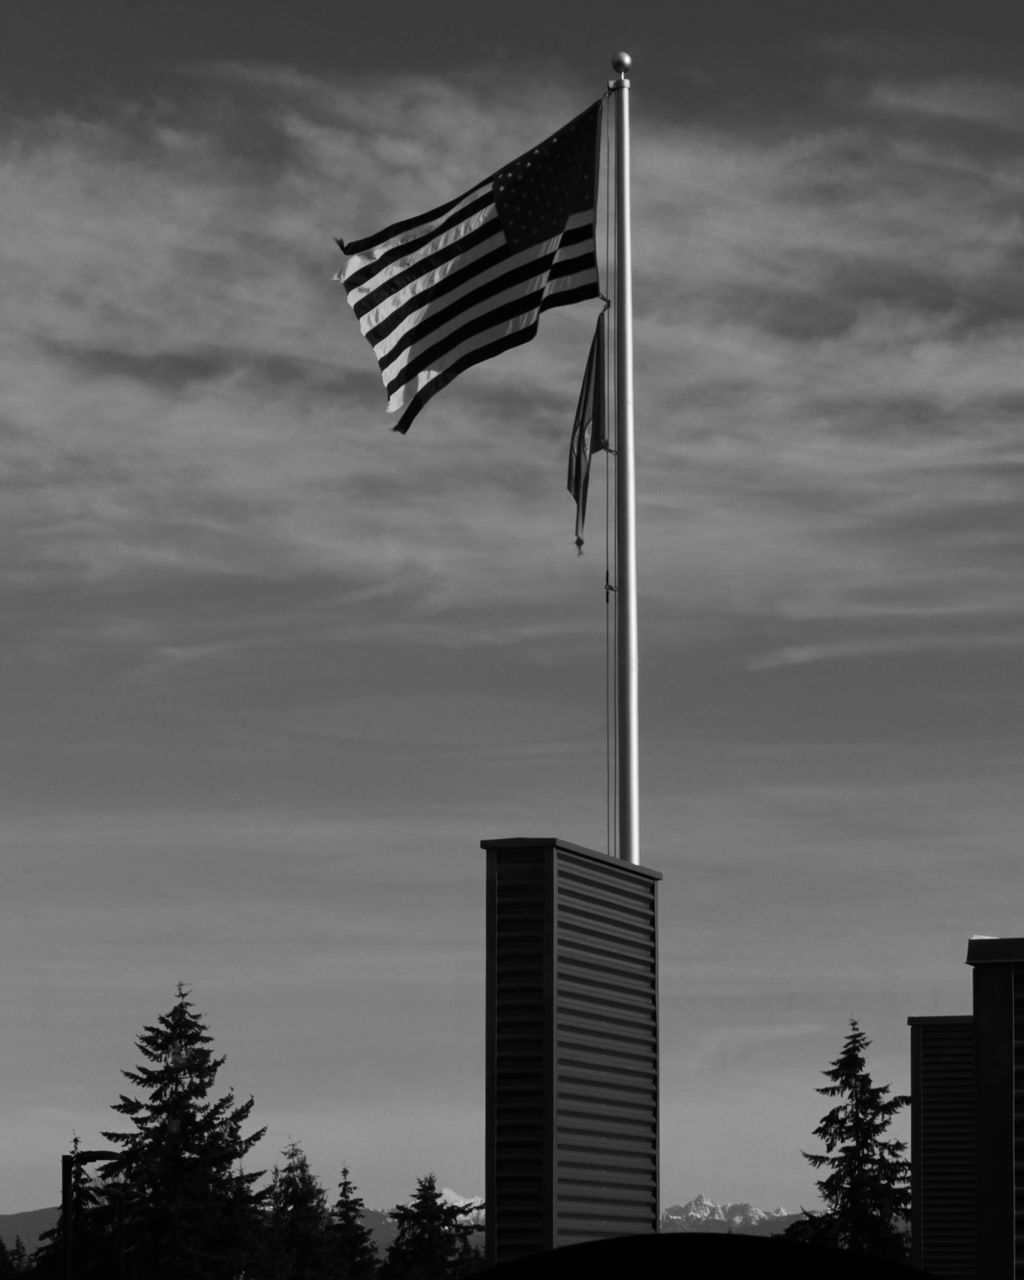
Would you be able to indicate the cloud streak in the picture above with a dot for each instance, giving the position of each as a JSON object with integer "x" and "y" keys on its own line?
{"x": 828, "y": 351}
{"x": 274, "y": 671}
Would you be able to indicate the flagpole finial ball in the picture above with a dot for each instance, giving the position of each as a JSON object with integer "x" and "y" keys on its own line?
{"x": 621, "y": 63}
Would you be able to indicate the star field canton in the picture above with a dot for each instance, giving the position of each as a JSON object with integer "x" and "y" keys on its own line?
{"x": 439, "y": 293}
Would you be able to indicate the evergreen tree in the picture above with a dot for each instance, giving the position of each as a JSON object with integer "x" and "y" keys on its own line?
{"x": 353, "y": 1254}
{"x": 867, "y": 1190}
{"x": 433, "y": 1238}
{"x": 7, "y": 1267}
{"x": 189, "y": 1209}
{"x": 298, "y": 1225}
{"x": 18, "y": 1257}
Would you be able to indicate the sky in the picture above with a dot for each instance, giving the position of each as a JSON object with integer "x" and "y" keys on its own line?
{"x": 271, "y": 672}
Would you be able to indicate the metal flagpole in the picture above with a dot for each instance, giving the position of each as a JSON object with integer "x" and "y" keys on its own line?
{"x": 625, "y": 486}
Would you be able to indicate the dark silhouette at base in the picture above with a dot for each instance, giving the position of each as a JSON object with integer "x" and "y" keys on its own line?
{"x": 702, "y": 1253}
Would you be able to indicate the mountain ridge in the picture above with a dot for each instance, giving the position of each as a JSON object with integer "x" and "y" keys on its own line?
{"x": 699, "y": 1214}
{"x": 739, "y": 1217}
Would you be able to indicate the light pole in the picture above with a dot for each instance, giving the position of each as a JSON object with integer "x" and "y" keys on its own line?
{"x": 69, "y": 1165}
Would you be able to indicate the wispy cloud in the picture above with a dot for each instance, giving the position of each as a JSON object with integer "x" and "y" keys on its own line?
{"x": 840, "y": 650}
{"x": 272, "y": 671}
{"x": 828, "y": 347}
{"x": 959, "y": 99}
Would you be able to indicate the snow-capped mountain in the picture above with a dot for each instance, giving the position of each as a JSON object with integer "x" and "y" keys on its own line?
{"x": 473, "y": 1205}
{"x": 698, "y": 1214}
{"x": 702, "y": 1214}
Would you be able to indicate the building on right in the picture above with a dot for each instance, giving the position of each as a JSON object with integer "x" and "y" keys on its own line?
{"x": 967, "y": 1125}
{"x": 998, "y": 965}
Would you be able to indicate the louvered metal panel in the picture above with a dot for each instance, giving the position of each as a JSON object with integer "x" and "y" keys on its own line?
{"x": 942, "y": 1146}
{"x": 516, "y": 1026}
{"x": 1017, "y": 971}
{"x": 572, "y": 1047}
{"x": 999, "y": 1123}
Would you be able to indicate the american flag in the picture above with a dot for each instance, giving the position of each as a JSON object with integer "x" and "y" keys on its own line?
{"x": 439, "y": 293}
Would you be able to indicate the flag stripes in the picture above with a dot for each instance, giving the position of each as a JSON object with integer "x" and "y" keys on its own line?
{"x": 432, "y": 252}
{"x": 394, "y": 237}
{"x": 439, "y": 293}
{"x": 499, "y": 299}
{"x": 472, "y": 283}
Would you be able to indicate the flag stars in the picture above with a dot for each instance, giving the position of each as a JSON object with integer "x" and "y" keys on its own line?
{"x": 392, "y": 277}
{"x": 536, "y": 194}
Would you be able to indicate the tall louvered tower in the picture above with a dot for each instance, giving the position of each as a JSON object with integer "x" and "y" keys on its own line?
{"x": 572, "y": 1047}
{"x": 942, "y": 1137}
{"x": 999, "y": 1099}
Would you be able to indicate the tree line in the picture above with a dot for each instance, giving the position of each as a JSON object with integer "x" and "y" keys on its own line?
{"x": 170, "y": 1199}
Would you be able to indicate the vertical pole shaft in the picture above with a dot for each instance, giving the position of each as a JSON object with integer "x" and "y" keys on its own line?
{"x": 67, "y": 1208}
{"x": 119, "y": 1234}
{"x": 625, "y": 487}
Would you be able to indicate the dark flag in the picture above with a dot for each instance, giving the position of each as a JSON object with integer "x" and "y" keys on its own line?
{"x": 439, "y": 293}
{"x": 589, "y": 428}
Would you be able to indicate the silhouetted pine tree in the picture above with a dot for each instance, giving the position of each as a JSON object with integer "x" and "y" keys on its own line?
{"x": 190, "y": 1210}
{"x": 297, "y": 1229}
{"x": 13, "y": 1261}
{"x": 18, "y": 1256}
{"x": 867, "y": 1191}
{"x": 433, "y": 1238}
{"x": 353, "y": 1254}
